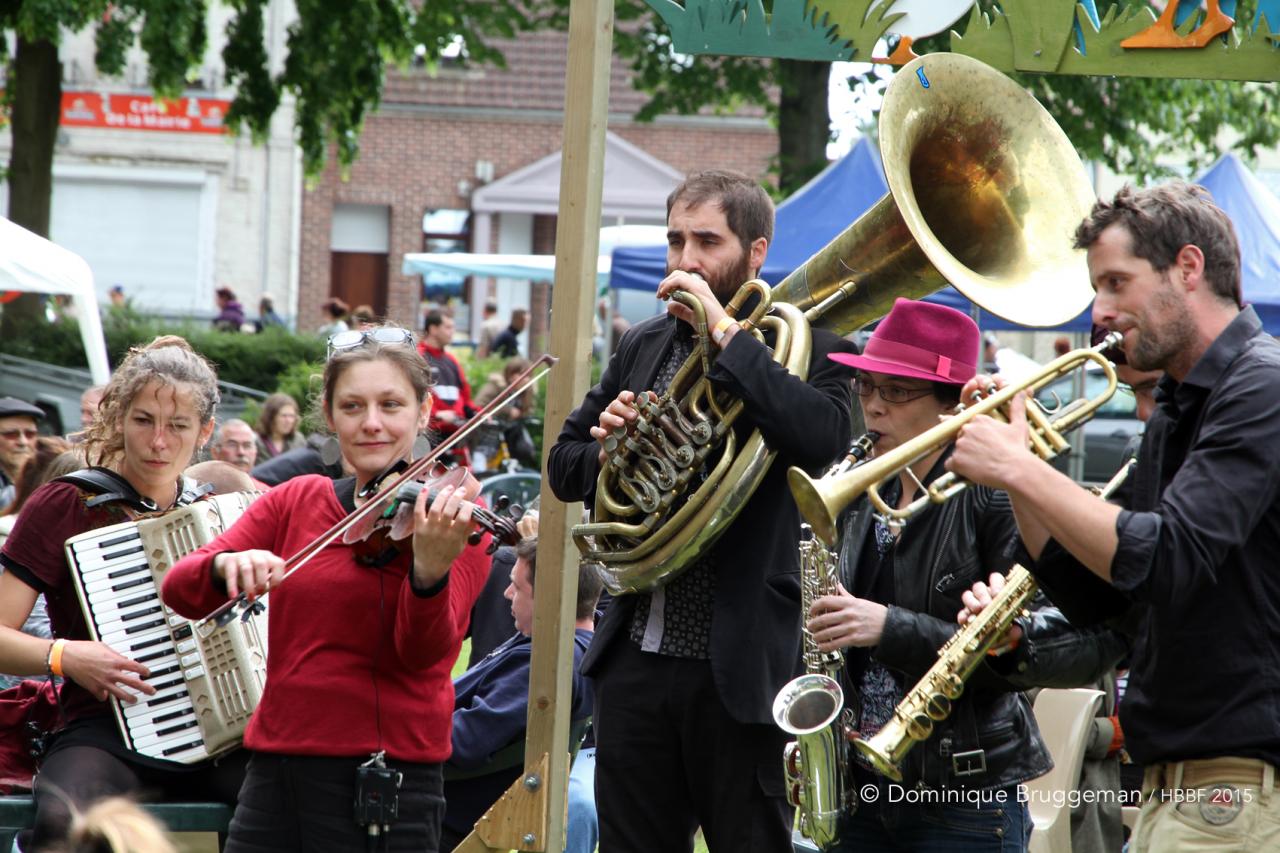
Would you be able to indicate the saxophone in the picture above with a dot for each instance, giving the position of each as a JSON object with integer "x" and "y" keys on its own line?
{"x": 929, "y": 701}
{"x": 811, "y": 706}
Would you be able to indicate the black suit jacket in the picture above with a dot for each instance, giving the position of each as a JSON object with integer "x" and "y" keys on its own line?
{"x": 755, "y": 627}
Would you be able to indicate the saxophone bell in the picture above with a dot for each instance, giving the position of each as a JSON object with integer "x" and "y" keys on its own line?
{"x": 810, "y": 707}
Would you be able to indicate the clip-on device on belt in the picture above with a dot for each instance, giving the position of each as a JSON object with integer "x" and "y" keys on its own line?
{"x": 377, "y": 795}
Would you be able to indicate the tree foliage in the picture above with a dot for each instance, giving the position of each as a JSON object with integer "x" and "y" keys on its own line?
{"x": 1143, "y": 127}
{"x": 1151, "y": 128}
{"x": 338, "y": 52}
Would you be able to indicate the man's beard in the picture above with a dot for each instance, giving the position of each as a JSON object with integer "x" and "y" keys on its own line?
{"x": 1156, "y": 348}
{"x": 726, "y": 280}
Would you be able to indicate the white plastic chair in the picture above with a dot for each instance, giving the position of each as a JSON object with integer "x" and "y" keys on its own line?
{"x": 1064, "y": 717}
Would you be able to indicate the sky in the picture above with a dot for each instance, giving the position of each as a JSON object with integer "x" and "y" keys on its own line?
{"x": 849, "y": 113}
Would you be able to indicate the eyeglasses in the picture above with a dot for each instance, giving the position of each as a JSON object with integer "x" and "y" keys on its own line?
{"x": 14, "y": 434}
{"x": 889, "y": 393}
{"x": 358, "y": 337}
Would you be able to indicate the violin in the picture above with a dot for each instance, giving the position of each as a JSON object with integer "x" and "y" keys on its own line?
{"x": 375, "y": 540}
{"x": 387, "y": 497}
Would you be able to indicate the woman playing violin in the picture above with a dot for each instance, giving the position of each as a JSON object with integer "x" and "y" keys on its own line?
{"x": 360, "y": 649}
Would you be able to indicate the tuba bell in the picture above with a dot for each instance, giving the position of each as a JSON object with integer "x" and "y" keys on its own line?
{"x": 984, "y": 192}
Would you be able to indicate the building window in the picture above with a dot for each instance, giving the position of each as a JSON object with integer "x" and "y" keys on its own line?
{"x": 445, "y": 231}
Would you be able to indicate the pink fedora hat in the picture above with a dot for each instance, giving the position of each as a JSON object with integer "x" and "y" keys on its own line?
{"x": 920, "y": 340}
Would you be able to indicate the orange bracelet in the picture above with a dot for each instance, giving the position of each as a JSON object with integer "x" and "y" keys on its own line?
{"x": 1117, "y": 736}
{"x": 722, "y": 328}
{"x": 55, "y": 657}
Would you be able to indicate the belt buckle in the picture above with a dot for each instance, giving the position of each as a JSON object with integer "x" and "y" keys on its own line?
{"x": 969, "y": 763}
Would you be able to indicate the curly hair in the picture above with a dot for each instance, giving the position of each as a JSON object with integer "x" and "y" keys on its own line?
{"x": 169, "y": 360}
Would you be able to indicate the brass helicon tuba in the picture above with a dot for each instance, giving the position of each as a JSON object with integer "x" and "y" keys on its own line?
{"x": 984, "y": 192}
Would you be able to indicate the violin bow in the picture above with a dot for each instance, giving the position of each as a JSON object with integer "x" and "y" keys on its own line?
{"x": 376, "y": 504}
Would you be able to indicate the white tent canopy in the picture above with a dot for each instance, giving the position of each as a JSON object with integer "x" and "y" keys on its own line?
{"x": 31, "y": 264}
{"x": 532, "y": 267}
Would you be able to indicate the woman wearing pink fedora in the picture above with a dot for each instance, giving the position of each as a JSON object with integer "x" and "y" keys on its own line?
{"x": 900, "y": 592}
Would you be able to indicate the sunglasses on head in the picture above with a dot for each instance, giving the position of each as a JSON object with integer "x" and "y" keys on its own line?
{"x": 358, "y": 337}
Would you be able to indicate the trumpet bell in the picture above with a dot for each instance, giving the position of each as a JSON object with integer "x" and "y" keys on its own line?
{"x": 985, "y": 192}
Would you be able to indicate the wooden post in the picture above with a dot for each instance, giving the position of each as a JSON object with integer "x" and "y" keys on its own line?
{"x": 531, "y": 815}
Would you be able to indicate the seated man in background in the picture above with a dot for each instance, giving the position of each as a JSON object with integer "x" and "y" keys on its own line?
{"x": 235, "y": 443}
{"x": 223, "y": 477}
{"x": 89, "y": 401}
{"x": 491, "y": 708}
{"x": 18, "y": 430}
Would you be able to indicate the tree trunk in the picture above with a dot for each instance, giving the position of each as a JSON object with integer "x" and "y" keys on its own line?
{"x": 37, "y": 108}
{"x": 804, "y": 124}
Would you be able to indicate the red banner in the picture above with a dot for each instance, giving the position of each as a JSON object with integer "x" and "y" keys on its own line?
{"x": 143, "y": 112}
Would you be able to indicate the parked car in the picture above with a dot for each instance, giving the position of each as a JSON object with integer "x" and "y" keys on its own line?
{"x": 520, "y": 487}
{"x": 1105, "y": 436}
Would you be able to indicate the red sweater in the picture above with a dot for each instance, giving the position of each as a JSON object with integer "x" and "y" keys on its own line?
{"x": 352, "y": 649}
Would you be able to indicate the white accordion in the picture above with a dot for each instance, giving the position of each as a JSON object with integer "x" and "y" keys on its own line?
{"x": 208, "y": 678}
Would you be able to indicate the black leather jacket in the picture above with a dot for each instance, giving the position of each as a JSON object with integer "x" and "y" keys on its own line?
{"x": 990, "y": 740}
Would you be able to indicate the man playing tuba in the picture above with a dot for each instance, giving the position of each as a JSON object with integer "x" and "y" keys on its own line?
{"x": 901, "y": 588}
{"x": 685, "y": 675}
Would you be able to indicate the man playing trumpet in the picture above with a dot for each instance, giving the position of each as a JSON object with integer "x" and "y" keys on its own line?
{"x": 685, "y": 675}
{"x": 901, "y": 588}
{"x": 1194, "y": 536}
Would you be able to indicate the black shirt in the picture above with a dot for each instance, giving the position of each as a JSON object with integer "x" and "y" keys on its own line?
{"x": 507, "y": 343}
{"x": 1198, "y": 541}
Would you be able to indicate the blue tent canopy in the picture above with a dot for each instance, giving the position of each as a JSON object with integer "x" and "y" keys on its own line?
{"x": 806, "y": 222}
{"x": 1255, "y": 212}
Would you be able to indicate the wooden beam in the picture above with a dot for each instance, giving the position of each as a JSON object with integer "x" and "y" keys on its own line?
{"x": 572, "y": 304}
{"x": 519, "y": 819}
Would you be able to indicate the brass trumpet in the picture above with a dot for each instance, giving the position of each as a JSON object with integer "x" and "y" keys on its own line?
{"x": 821, "y": 500}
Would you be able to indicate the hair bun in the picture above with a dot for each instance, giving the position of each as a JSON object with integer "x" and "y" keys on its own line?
{"x": 168, "y": 341}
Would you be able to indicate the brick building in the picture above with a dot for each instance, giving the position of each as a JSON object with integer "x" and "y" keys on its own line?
{"x": 472, "y": 155}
